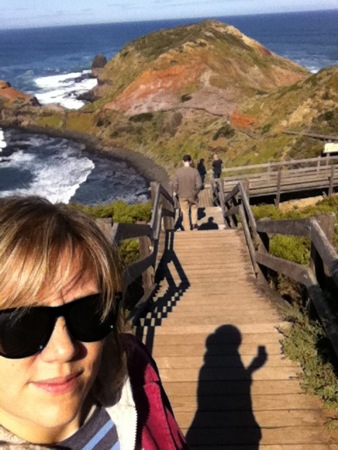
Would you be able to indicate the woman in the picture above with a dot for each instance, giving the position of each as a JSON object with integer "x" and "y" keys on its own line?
{"x": 68, "y": 377}
{"x": 202, "y": 171}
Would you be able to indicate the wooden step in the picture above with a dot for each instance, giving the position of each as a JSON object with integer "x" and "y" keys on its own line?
{"x": 258, "y": 387}
{"x": 223, "y": 350}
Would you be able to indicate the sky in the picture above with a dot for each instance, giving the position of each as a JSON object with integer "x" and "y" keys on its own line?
{"x": 43, "y": 13}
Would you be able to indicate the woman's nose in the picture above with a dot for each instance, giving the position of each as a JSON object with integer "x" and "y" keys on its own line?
{"x": 61, "y": 346}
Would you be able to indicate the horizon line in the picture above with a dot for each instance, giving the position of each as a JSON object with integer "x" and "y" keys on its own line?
{"x": 165, "y": 19}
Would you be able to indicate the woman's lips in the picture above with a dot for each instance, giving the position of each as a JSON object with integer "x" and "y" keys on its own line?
{"x": 58, "y": 385}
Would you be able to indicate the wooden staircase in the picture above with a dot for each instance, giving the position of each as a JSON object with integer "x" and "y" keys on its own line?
{"x": 214, "y": 335}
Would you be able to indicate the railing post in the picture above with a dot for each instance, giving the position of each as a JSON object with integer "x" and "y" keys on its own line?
{"x": 263, "y": 247}
{"x": 167, "y": 222}
{"x": 331, "y": 181}
{"x": 327, "y": 223}
{"x": 153, "y": 186}
{"x": 269, "y": 170}
{"x": 246, "y": 187}
{"x": 148, "y": 275}
{"x": 279, "y": 182}
{"x": 106, "y": 227}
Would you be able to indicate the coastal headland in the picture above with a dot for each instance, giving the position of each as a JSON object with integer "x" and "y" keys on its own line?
{"x": 197, "y": 89}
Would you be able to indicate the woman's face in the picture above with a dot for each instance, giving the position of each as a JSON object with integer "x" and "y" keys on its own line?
{"x": 44, "y": 398}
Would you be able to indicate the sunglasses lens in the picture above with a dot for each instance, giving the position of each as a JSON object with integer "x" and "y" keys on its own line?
{"x": 84, "y": 320}
{"x": 24, "y": 334}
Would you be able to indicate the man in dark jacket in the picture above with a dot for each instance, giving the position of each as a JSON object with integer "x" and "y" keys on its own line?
{"x": 187, "y": 184}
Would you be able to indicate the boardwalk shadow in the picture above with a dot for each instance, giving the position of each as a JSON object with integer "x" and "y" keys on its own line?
{"x": 171, "y": 274}
{"x": 224, "y": 416}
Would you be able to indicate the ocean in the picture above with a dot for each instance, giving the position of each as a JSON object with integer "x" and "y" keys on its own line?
{"x": 54, "y": 65}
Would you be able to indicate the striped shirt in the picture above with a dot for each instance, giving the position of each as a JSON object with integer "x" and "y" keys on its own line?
{"x": 99, "y": 433}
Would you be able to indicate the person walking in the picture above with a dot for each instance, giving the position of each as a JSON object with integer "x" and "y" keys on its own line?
{"x": 187, "y": 184}
{"x": 217, "y": 166}
{"x": 202, "y": 171}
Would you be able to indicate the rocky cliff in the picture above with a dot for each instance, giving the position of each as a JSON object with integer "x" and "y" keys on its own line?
{"x": 198, "y": 89}
{"x": 209, "y": 66}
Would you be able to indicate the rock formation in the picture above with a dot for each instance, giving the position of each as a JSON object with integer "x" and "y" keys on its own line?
{"x": 11, "y": 95}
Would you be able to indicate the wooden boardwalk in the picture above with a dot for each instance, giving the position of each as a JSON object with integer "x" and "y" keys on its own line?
{"x": 284, "y": 178}
{"x": 214, "y": 334}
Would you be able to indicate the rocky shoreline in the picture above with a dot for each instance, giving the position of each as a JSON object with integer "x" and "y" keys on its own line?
{"x": 16, "y": 102}
{"x": 141, "y": 163}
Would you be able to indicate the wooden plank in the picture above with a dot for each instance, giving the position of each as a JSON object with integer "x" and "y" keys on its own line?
{"x": 221, "y": 374}
{"x": 228, "y": 419}
{"x": 220, "y": 361}
{"x": 209, "y": 329}
{"x": 281, "y": 402}
{"x": 198, "y": 339}
{"x": 258, "y": 387}
{"x": 246, "y": 348}
{"x": 299, "y": 227}
{"x": 250, "y": 435}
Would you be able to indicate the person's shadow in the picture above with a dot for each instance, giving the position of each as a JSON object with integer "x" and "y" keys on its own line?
{"x": 224, "y": 416}
{"x": 210, "y": 225}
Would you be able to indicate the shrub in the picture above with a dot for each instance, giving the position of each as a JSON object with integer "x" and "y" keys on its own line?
{"x": 119, "y": 211}
{"x": 128, "y": 251}
{"x": 292, "y": 248}
{"x": 186, "y": 97}
{"x": 143, "y": 117}
{"x": 224, "y": 131}
{"x": 306, "y": 343}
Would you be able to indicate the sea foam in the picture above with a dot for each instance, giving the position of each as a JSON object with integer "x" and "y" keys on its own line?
{"x": 56, "y": 177}
{"x": 3, "y": 143}
{"x": 64, "y": 89}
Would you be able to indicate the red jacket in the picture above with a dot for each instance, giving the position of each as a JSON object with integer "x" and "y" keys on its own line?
{"x": 157, "y": 428}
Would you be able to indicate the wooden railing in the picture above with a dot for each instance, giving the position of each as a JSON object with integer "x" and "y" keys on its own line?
{"x": 270, "y": 167}
{"x": 320, "y": 278}
{"x": 162, "y": 218}
{"x": 283, "y": 177}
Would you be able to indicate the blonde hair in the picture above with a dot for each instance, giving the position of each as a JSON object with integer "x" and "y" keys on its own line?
{"x": 35, "y": 236}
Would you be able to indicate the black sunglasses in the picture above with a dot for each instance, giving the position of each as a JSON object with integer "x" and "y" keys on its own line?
{"x": 26, "y": 331}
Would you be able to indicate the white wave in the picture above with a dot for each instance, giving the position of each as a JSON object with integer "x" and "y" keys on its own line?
{"x": 64, "y": 88}
{"x": 57, "y": 177}
{"x": 3, "y": 143}
{"x": 20, "y": 158}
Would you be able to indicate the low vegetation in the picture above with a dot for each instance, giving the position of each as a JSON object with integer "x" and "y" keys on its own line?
{"x": 121, "y": 212}
{"x": 305, "y": 341}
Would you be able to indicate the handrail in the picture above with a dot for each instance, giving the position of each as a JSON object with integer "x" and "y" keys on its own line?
{"x": 279, "y": 179}
{"x": 322, "y": 274}
{"x": 319, "y": 161}
{"x": 162, "y": 208}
